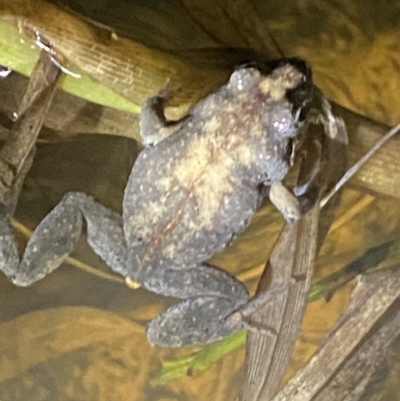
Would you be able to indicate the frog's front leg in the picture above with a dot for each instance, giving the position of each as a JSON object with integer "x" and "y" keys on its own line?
{"x": 210, "y": 295}
{"x": 55, "y": 238}
{"x": 154, "y": 126}
{"x": 285, "y": 201}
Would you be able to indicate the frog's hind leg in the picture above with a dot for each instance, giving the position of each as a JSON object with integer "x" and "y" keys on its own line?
{"x": 194, "y": 321}
{"x": 55, "y": 238}
{"x": 210, "y": 295}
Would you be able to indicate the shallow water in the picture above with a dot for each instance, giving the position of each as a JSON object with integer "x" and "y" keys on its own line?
{"x": 75, "y": 336}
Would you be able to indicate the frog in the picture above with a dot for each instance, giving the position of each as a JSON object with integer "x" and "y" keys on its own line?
{"x": 192, "y": 189}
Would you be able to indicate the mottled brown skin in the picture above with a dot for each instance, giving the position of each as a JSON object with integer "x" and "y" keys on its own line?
{"x": 191, "y": 191}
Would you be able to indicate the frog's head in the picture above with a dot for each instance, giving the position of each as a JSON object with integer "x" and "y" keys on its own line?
{"x": 285, "y": 80}
{"x": 281, "y": 93}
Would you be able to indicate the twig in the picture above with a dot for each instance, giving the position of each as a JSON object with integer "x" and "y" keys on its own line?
{"x": 348, "y": 354}
{"x": 359, "y": 164}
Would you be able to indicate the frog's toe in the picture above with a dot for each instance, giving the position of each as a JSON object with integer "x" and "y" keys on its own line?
{"x": 198, "y": 320}
{"x": 285, "y": 202}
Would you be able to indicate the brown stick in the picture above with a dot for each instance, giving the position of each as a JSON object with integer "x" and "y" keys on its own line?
{"x": 370, "y": 322}
{"x": 17, "y": 154}
{"x": 291, "y": 265}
